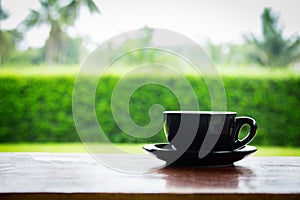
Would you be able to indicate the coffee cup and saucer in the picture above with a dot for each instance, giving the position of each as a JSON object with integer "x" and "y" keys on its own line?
{"x": 204, "y": 138}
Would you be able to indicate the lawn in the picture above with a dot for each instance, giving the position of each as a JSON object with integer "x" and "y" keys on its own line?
{"x": 131, "y": 148}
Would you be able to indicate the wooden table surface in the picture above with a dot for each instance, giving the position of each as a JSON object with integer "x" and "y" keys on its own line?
{"x": 77, "y": 176}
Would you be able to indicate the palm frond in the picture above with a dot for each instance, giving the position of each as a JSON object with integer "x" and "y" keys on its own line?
{"x": 68, "y": 13}
{"x": 33, "y": 19}
{"x": 294, "y": 46}
{"x": 3, "y": 14}
{"x": 92, "y": 7}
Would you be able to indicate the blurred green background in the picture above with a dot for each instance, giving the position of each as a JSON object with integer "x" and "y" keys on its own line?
{"x": 261, "y": 76}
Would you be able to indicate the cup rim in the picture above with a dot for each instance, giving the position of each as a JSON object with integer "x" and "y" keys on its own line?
{"x": 200, "y": 112}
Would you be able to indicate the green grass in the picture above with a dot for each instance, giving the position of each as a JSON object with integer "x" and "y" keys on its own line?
{"x": 277, "y": 151}
{"x": 71, "y": 70}
{"x": 65, "y": 147}
{"x": 131, "y": 148}
{"x": 38, "y": 70}
{"x": 258, "y": 71}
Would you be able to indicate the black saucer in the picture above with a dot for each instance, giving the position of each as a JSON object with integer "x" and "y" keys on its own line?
{"x": 167, "y": 153}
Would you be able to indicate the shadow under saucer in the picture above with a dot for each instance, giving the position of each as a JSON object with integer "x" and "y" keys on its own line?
{"x": 231, "y": 177}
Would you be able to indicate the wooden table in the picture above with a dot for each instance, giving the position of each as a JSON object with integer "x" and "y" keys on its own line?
{"x": 78, "y": 176}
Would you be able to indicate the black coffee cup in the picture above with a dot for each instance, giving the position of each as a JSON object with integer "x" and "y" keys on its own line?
{"x": 208, "y": 130}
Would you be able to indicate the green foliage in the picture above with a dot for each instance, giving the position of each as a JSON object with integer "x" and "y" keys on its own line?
{"x": 28, "y": 57}
{"x": 273, "y": 49}
{"x": 39, "y": 108}
{"x": 36, "y": 56}
{"x": 273, "y": 102}
{"x": 228, "y": 54}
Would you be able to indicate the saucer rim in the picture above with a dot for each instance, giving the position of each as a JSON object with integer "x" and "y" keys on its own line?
{"x": 192, "y": 112}
{"x": 153, "y": 147}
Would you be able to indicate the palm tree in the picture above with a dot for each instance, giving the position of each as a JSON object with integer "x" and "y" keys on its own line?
{"x": 273, "y": 49}
{"x": 55, "y": 16}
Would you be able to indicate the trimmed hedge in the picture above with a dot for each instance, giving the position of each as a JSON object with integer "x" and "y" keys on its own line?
{"x": 39, "y": 108}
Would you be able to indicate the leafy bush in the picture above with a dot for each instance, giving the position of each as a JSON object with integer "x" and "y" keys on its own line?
{"x": 39, "y": 108}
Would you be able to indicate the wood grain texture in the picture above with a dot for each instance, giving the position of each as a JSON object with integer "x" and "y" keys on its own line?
{"x": 61, "y": 176}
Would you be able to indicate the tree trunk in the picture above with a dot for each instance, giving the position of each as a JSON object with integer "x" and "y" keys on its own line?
{"x": 56, "y": 47}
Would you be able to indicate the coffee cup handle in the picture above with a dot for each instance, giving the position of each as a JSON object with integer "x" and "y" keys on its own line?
{"x": 239, "y": 122}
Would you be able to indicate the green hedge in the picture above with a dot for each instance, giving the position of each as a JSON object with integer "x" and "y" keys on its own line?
{"x": 39, "y": 108}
